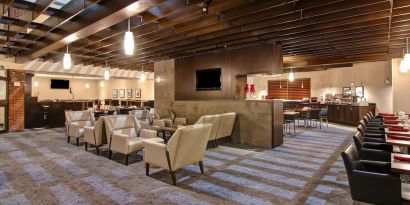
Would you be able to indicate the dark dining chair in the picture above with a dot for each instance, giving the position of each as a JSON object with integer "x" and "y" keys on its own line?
{"x": 372, "y": 150}
{"x": 371, "y": 181}
{"x": 315, "y": 117}
{"x": 323, "y": 116}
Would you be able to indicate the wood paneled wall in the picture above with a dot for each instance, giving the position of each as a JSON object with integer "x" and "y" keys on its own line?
{"x": 284, "y": 89}
{"x": 240, "y": 62}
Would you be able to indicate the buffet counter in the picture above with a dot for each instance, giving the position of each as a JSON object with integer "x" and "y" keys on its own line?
{"x": 338, "y": 113}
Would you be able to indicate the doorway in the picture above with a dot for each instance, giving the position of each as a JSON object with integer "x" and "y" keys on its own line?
{"x": 3, "y": 101}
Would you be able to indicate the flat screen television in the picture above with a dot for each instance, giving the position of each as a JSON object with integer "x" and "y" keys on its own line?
{"x": 59, "y": 84}
{"x": 208, "y": 79}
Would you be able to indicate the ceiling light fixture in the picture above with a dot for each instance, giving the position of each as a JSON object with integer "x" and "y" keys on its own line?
{"x": 106, "y": 72}
{"x": 129, "y": 40}
{"x": 142, "y": 76}
{"x": 280, "y": 83}
{"x": 67, "y": 60}
{"x": 302, "y": 84}
{"x": 291, "y": 76}
{"x": 405, "y": 63}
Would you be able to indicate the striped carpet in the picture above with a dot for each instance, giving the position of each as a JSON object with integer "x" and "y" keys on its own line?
{"x": 39, "y": 167}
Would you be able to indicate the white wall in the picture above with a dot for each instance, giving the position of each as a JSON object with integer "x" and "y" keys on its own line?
{"x": 401, "y": 86}
{"x": 95, "y": 91}
{"x": 372, "y": 75}
{"x": 147, "y": 88}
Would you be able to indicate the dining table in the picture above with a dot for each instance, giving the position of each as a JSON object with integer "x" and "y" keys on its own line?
{"x": 399, "y": 133}
{"x": 400, "y": 164}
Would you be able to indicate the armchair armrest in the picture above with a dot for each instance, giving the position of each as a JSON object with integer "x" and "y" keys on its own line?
{"x": 367, "y": 187}
{"x": 375, "y": 166}
{"x": 374, "y": 135}
{"x": 159, "y": 123}
{"x": 119, "y": 143}
{"x": 180, "y": 121}
{"x": 374, "y": 139}
{"x": 379, "y": 146}
{"x": 144, "y": 133}
{"x": 155, "y": 153}
{"x": 375, "y": 155}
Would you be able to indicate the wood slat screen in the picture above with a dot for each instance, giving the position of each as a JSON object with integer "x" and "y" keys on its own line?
{"x": 290, "y": 90}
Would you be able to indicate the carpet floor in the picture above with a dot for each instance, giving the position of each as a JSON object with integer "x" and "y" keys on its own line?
{"x": 39, "y": 167}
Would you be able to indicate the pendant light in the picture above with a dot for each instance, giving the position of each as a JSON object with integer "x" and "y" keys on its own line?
{"x": 280, "y": 83}
{"x": 404, "y": 66}
{"x": 142, "y": 76}
{"x": 129, "y": 40}
{"x": 302, "y": 84}
{"x": 67, "y": 60}
{"x": 106, "y": 72}
{"x": 291, "y": 76}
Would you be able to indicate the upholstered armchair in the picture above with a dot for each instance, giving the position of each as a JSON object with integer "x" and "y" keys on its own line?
{"x": 186, "y": 146}
{"x": 372, "y": 150}
{"x": 95, "y": 135}
{"x": 142, "y": 116}
{"x": 75, "y": 122}
{"x": 124, "y": 135}
{"x": 226, "y": 126}
{"x": 371, "y": 181}
{"x": 215, "y": 121}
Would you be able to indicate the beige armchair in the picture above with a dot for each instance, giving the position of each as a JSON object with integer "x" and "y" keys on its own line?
{"x": 124, "y": 135}
{"x": 226, "y": 126}
{"x": 142, "y": 116}
{"x": 214, "y": 120}
{"x": 186, "y": 146}
{"x": 75, "y": 123}
{"x": 95, "y": 135}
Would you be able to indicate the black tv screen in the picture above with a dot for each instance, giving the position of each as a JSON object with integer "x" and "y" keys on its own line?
{"x": 208, "y": 79}
{"x": 59, "y": 84}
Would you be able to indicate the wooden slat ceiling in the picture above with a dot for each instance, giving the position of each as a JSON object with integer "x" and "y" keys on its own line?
{"x": 313, "y": 33}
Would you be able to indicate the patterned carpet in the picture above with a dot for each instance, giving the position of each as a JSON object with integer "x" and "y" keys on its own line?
{"x": 39, "y": 167}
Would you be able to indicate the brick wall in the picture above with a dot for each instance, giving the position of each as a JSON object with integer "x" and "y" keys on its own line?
{"x": 16, "y": 101}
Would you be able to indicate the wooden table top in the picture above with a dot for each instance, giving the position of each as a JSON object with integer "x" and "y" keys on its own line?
{"x": 401, "y": 167}
{"x": 291, "y": 113}
{"x": 407, "y": 134}
{"x": 403, "y": 143}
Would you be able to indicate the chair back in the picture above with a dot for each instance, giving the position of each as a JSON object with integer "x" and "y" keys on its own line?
{"x": 75, "y": 116}
{"x": 172, "y": 114}
{"x": 323, "y": 112}
{"x": 139, "y": 114}
{"x": 351, "y": 161}
{"x": 358, "y": 140}
{"x": 226, "y": 126}
{"x": 363, "y": 123}
{"x": 188, "y": 144}
{"x": 361, "y": 129}
{"x": 215, "y": 120}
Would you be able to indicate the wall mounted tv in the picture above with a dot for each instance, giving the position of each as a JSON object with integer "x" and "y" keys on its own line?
{"x": 59, "y": 84}
{"x": 208, "y": 79}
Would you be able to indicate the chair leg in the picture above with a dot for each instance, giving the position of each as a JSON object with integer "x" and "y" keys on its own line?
{"x": 126, "y": 159}
{"x": 68, "y": 139}
{"x": 147, "y": 169}
{"x": 110, "y": 154}
{"x": 97, "y": 148}
{"x": 173, "y": 177}
{"x": 86, "y": 146}
{"x": 201, "y": 167}
{"x": 78, "y": 141}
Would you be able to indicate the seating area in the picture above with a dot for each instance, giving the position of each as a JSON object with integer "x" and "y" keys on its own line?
{"x": 204, "y": 102}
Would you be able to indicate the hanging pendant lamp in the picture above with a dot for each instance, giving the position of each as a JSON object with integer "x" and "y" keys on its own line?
{"x": 291, "y": 76}
{"x": 67, "y": 60}
{"x": 129, "y": 40}
{"x": 142, "y": 76}
{"x": 106, "y": 72}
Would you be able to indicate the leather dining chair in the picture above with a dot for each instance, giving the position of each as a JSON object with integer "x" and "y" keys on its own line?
{"x": 371, "y": 181}
{"x": 372, "y": 150}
